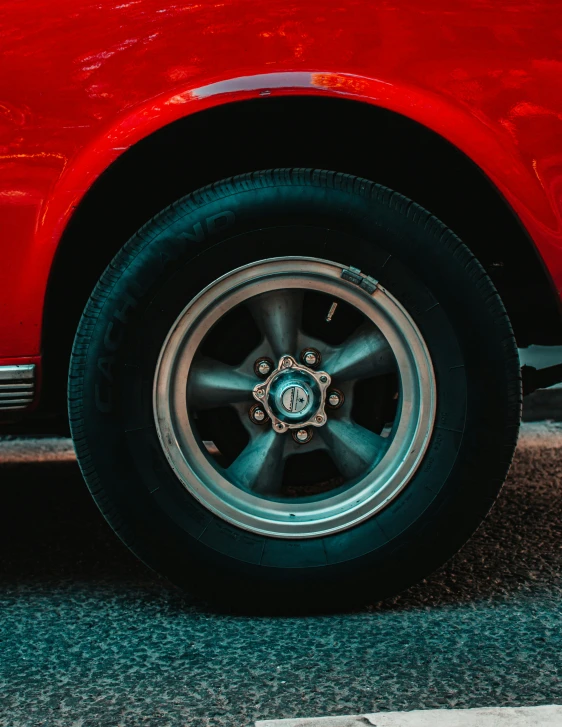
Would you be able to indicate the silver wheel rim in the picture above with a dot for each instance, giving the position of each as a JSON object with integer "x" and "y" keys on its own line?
{"x": 246, "y": 493}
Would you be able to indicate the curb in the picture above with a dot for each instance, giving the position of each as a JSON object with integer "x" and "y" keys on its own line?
{"x": 543, "y": 404}
{"x": 544, "y": 716}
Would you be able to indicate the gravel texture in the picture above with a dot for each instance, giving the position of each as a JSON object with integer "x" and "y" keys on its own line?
{"x": 91, "y": 638}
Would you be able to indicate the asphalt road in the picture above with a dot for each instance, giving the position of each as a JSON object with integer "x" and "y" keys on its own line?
{"x": 91, "y": 638}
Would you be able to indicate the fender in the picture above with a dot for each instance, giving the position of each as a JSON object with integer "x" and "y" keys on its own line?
{"x": 489, "y": 145}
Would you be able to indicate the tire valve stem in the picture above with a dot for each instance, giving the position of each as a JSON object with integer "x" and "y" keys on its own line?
{"x": 331, "y": 312}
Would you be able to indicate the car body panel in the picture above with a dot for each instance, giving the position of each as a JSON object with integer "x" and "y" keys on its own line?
{"x": 82, "y": 81}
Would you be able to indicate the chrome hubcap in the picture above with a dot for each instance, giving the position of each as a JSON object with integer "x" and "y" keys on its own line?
{"x": 294, "y": 396}
{"x": 235, "y": 430}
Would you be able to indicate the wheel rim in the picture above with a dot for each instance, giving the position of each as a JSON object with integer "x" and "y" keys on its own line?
{"x": 247, "y": 492}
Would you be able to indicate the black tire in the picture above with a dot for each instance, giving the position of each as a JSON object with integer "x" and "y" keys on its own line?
{"x": 336, "y": 217}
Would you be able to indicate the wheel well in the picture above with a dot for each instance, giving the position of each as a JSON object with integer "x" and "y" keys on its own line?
{"x": 342, "y": 135}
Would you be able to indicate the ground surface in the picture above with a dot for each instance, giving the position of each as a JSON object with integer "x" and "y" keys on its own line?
{"x": 90, "y": 638}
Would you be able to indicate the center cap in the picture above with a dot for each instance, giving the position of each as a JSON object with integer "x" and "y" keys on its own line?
{"x": 294, "y": 398}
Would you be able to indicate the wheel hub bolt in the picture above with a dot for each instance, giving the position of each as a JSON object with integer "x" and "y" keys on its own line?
{"x": 287, "y": 363}
{"x": 302, "y": 436}
{"x": 263, "y": 367}
{"x": 260, "y": 393}
{"x": 323, "y": 379}
{"x": 319, "y": 419}
{"x": 257, "y": 414}
{"x": 310, "y": 357}
{"x": 335, "y": 399}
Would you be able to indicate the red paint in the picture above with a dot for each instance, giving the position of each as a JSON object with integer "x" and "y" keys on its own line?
{"x": 81, "y": 81}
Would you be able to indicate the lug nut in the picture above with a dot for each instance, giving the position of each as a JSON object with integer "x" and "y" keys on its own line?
{"x": 257, "y": 414}
{"x": 263, "y": 367}
{"x": 335, "y": 399}
{"x": 302, "y": 436}
{"x": 311, "y": 357}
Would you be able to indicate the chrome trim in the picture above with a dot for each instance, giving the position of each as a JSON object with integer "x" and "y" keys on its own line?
{"x": 17, "y": 387}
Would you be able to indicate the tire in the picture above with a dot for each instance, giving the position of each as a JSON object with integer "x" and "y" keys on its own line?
{"x": 457, "y": 328}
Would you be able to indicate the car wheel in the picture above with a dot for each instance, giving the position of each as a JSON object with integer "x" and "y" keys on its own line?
{"x": 298, "y": 384}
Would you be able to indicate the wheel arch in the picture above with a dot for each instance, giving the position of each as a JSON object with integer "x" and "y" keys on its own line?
{"x": 362, "y": 127}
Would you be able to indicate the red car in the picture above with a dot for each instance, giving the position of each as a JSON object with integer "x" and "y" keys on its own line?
{"x": 278, "y": 258}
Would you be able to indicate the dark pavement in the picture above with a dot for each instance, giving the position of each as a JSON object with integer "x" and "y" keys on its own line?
{"x": 91, "y": 638}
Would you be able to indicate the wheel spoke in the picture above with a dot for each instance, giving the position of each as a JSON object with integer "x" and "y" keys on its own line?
{"x": 365, "y": 353}
{"x": 259, "y": 466}
{"x": 278, "y": 316}
{"x": 353, "y": 448}
{"x": 212, "y": 383}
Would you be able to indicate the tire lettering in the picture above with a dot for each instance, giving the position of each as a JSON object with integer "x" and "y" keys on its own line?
{"x": 220, "y": 222}
{"x": 103, "y": 403}
{"x": 112, "y": 344}
{"x": 199, "y": 235}
{"x": 113, "y": 336}
{"x": 130, "y": 302}
{"x": 104, "y": 365}
{"x": 112, "y": 339}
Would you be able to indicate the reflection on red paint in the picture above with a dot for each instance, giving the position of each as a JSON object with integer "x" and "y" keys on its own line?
{"x": 341, "y": 83}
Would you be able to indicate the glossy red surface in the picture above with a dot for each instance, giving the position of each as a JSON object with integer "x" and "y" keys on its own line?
{"x": 81, "y": 81}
